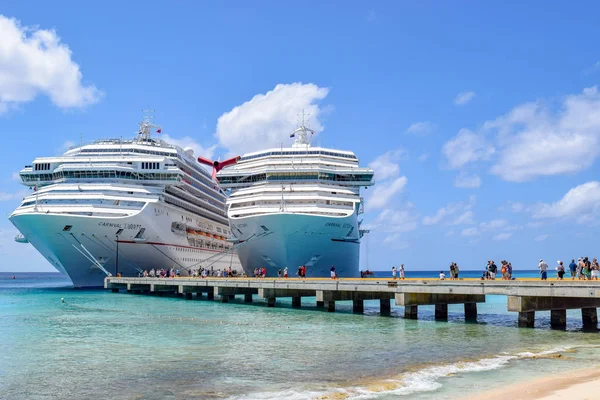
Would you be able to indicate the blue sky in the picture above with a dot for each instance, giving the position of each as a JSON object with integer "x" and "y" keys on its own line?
{"x": 482, "y": 120}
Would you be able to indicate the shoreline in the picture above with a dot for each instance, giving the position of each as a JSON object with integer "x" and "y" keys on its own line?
{"x": 578, "y": 384}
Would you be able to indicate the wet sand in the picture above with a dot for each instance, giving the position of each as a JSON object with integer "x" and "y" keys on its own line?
{"x": 574, "y": 385}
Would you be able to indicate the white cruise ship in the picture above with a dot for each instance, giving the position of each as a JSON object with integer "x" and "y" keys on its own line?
{"x": 297, "y": 206}
{"x": 124, "y": 206}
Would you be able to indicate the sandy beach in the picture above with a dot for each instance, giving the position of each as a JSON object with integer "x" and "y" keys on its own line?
{"x": 576, "y": 385}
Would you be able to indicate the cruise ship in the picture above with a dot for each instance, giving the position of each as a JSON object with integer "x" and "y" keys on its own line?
{"x": 124, "y": 206}
{"x": 297, "y": 206}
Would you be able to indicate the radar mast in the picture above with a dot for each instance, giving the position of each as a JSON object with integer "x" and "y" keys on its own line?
{"x": 301, "y": 133}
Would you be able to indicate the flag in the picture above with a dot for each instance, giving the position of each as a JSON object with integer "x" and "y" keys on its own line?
{"x": 158, "y": 130}
{"x": 292, "y": 134}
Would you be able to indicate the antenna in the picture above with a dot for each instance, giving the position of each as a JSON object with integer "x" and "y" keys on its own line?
{"x": 301, "y": 133}
{"x": 147, "y": 124}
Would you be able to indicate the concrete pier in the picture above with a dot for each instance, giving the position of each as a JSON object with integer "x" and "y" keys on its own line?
{"x": 524, "y": 297}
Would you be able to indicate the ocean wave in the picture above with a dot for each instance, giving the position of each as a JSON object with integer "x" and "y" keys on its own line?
{"x": 425, "y": 379}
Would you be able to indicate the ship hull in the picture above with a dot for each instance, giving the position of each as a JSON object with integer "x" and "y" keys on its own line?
{"x": 277, "y": 241}
{"x": 92, "y": 240}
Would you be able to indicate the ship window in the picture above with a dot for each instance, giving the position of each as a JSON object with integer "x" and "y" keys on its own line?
{"x": 67, "y": 228}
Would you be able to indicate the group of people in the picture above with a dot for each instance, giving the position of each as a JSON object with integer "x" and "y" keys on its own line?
{"x": 399, "y": 271}
{"x": 491, "y": 271}
{"x": 161, "y": 273}
{"x": 583, "y": 269}
{"x": 199, "y": 273}
{"x": 260, "y": 272}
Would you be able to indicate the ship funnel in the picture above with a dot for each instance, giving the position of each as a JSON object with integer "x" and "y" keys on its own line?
{"x": 218, "y": 165}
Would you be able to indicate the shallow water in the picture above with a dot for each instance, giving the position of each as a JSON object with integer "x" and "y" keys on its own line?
{"x": 123, "y": 346}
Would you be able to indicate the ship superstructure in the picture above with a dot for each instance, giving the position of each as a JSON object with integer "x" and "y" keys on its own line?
{"x": 297, "y": 206}
{"x": 124, "y": 206}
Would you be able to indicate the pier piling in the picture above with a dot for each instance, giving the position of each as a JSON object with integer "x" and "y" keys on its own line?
{"x": 558, "y": 319}
{"x": 525, "y": 297}
{"x": 410, "y": 312}
{"x": 470, "y": 311}
{"x": 590, "y": 318}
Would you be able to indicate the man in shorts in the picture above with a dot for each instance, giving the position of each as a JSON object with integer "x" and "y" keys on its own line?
{"x": 543, "y": 269}
{"x": 573, "y": 269}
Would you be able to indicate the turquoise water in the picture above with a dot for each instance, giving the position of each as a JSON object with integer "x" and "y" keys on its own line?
{"x": 103, "y": 345}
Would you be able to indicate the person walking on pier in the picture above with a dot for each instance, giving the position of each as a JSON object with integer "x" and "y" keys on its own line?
{"x": 285, "y": 272}
{"x": 452, "y": 271}
{"x": 279, "y": 273}
{"x": 304, "y": 271}
{"x": 393, "y": 272}
{"x": 573, "y": 269}
{"x": 333, "y": 273}
{"x": 543, "y": 269}
{"x": 560, "y": 271}
{"x": 595, "y": 269}
{"x": 402, "y": 271}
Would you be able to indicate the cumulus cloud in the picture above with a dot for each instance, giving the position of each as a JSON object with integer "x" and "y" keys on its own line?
{"x": 466, "y": 218}
{"x": 65, "y": 146}
{"x": 18, "y": 195}
{"x": 386, "y": 165}
{"x": 383, "y": 193}
{"x": 34, "y": 61}
{"x": 463, "y": 98}
{"x": 465, "y": 148}
{"x": 494, "y": 224}
{"x": 473, "y": 231}
{"x": 581, "y": 203}
{"x": 423, "y": 157}
{"x": 453, "y": 214}
{"x": 467, "y": 181}
{"x": 387, "y": 175}
{"x": 403, "y": 219}
{"x": 267, "y": 119}
{"x": 186, "y": 141}
{"x": 502, "y": 236}
{"x": 421, "y": 128}
{"x": 535, "y": 139}
{"x": 538, "y": 140}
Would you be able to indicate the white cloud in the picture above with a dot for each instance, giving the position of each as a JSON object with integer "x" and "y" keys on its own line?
{"x": 187, "y": 141}
{"x": 423, "y": 128}
{"x": 466, "y": 181}
{"x": 423, "y": 157}
{"x": 396, "y": 241}
{"x": 34, "y": 61}
{"x": 18, "y": 195}
{"x": 65, "y": 146}
{"x": 386, "y": 165}
{"x": 267, "y": 119}
{"x": 399, "y": 220}
{"x": 538, "y": 140}
{"x": 463, "y": 98}
{"x": 465, "y": 148}
{"x": 449, "y": 211}
{"x": 581, "y": 203}
{"x": 465, "y": 218}
{"x": 541, "y": 238}
{"x": 502, "y": 236}
{"x": 473, "y": 231}
{"x": 516, "y": 206}
{"x": 494, "y": 224}
{"x": 383, "y": 193}
{"x": 387, "y": 175}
